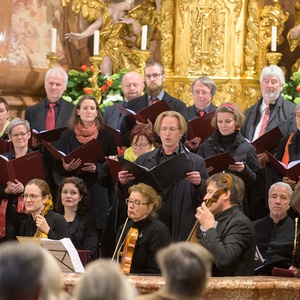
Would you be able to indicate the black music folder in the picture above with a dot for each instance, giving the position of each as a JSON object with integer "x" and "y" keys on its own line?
{"x": 161, "y": 176}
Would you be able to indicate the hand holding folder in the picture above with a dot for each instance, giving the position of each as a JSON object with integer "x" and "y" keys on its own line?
{"x": 161, "y": 176}
{"x": 219, "y": 163}
{"x": 23, "y": 168}
{"x": 89, "y": 152}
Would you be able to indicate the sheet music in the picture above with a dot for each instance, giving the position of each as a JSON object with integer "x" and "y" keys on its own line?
{"x": 65, "y": 253}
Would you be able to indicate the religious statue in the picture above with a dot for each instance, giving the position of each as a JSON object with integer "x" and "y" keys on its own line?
{"x": 120, "y": 29}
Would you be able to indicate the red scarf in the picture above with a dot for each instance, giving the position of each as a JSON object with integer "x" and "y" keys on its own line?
{"x": 85, "y": 135}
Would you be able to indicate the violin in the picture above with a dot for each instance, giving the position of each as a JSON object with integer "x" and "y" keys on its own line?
{"x": 128, "y": 250}
{"x": 227, "y": 181}
{"x": 48, "y": 206}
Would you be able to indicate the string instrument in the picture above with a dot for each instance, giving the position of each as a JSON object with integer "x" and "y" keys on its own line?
{"x": 296, "y": 250}
{"x": 128, "y": 250}
{"x": 226, "y": 180}
{"x": 48, "y": 206}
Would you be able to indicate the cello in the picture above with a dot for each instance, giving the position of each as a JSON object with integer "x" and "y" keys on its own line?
{"x": 226, "y": 180}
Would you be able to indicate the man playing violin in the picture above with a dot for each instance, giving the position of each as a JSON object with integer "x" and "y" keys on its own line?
{"x": 225, "y": 231}
{"x": 143, "y": 235}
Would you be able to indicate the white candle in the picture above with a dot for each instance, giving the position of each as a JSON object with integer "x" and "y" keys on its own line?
{"x": 274, "y": 39}
{"x": 96, "y": 42}
{"x": 144, "y": 37}
{"x": 53, "y": 40}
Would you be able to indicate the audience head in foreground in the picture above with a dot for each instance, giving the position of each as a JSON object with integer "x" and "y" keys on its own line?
{"x": 28, "y": 272}
{"x": 186, "y": 268}
{"x": 103, "y": 280}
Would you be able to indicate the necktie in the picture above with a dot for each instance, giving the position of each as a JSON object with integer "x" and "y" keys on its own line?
{"x": 264, "y": 121}
{"x": 201, "y": 113}
{"x": 50, "y": 118}
{"x": 153, "y": 100}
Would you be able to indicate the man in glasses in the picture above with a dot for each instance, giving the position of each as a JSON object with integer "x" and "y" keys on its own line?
{"x": 154, "y": 80}
{"x": 132, "y": 87}
{"x": 180, "y": 199}
{"x": 203, "y": 90}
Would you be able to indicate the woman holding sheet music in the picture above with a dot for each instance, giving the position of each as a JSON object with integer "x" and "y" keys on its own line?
{"x": 86, "y": 124}
{"x": 11, "y": 208}
{"x": 227, "y": 138}
{"x": 289, "y": 148}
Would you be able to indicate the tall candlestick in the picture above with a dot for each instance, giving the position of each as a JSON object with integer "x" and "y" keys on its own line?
{"x": 96, "y": 42}
{"x": 144, "y": 37}
{"x": 274, "y": 39}
{"x": 53, "y": 40}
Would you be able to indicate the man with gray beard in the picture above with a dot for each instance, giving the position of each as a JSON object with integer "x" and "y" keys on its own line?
{"x": 270, "y": 111}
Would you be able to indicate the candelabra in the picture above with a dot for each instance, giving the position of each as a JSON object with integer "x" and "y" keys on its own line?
{"x": 96, "y": 61}
{"x": 53, "y": 59}
{"x": 273, "y": 57}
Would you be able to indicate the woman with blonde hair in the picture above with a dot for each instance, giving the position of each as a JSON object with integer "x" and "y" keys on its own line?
{"x": 151, "y": 234}
{"x": 227, "y": 121}
{"x": 43, "y": 222}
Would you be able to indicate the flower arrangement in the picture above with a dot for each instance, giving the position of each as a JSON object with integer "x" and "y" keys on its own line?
{"x": 291, "y": 89}
{"x": 79, "y": 84}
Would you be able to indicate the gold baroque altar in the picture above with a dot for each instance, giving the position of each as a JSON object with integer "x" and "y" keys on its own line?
{"x": 227, "y": 40}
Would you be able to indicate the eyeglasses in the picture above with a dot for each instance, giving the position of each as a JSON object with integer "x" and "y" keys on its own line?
{"x": 32, "y": 197}
{"x": 141, "y": 146}
{"x": 154, "y": 76}
{"x": 21, "y": 134}
{"x": 137, "y": 203}
{"x": 171, "y": 129}
{"x": 201, "y": 93}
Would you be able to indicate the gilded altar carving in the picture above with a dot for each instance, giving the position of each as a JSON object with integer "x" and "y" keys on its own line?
{"x": 251, "y": 47}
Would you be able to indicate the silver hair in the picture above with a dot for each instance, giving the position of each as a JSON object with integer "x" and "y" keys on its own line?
{"x": 17, "y": 121}
{"x": 272, "y": 70}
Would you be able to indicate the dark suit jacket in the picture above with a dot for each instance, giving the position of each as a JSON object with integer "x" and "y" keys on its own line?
{"x": 192, "y": 111}
{"x": 282, "y": 114}
{"x": 139, "y": 103}
{"x": 113, "y": 117}
{"x": 232, "y": 243}
{"x": 36, "y": 114}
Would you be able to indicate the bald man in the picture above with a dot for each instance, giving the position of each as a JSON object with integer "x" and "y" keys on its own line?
{"x": 132, "y": 87}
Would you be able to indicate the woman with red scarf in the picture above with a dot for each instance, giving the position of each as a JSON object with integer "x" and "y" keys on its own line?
{"x": 84, "y": 125}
